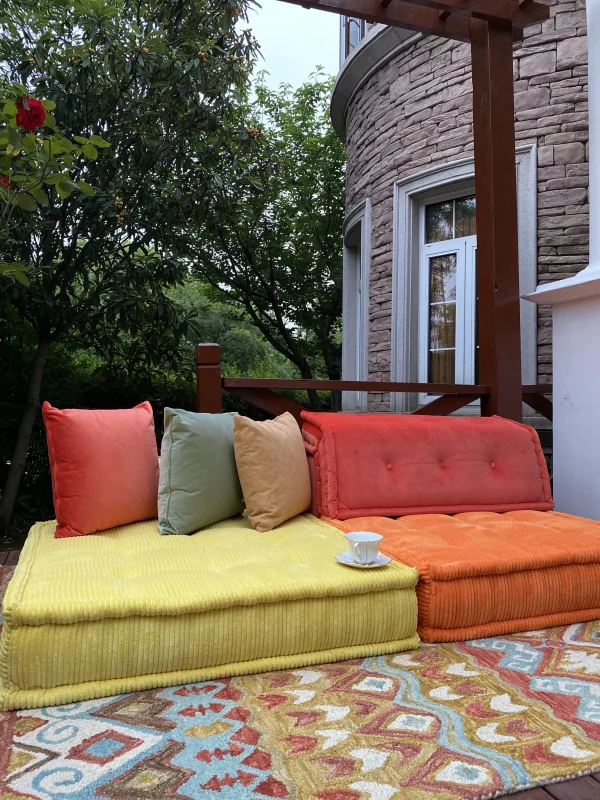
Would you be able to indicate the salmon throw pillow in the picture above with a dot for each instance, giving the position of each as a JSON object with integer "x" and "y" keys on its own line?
{"x": 272, "y": 468}
{"x": 104, "y": 466}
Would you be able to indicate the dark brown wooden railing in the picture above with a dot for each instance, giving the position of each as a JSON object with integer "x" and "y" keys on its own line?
{"x": 262, "y": 392}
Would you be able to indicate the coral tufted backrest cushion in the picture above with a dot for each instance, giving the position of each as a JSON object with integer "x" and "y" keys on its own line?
{"x": 395, "y": 464}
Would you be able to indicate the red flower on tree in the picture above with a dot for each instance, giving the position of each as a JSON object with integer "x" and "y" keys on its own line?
{"x": 6, "y": 182}
{"x": 31, "y": 113}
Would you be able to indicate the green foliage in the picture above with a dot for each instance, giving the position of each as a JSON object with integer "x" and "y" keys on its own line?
{"x": 273, "y": 234}
{"x": 31, "y": 163}
{"x": 95, "y": 377}
{"x": 158, "y": 82}
{"x": 154, "y": 165}
{"x": 244, "y": 351}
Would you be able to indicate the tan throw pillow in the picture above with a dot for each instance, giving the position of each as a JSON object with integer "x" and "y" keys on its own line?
{"x": 272, "y": 468}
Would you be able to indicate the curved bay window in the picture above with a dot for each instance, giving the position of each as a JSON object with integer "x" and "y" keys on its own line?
{"x": 447, "y": 292}
{"x": 352, "y": 30}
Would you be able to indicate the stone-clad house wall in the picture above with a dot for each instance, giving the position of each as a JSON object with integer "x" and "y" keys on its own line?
{"x": 416, "y": 112}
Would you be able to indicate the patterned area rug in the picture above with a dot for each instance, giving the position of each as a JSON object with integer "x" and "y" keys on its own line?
{"x": 474, "y": 720}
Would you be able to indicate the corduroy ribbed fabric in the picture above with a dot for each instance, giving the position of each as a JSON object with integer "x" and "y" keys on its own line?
{"x": 487, "y": 574}
{"x": 130, "y": 609}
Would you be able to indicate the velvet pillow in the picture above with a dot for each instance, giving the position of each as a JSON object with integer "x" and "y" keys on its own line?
{"x": 198, "y": 483}
{"x": 273, "y": 470}
{"x": 104, "y": 467}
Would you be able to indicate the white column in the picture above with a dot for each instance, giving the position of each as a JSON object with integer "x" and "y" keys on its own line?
{"x": 576, "y": 337}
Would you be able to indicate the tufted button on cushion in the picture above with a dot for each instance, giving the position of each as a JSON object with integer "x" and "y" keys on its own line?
{"x": 442, "y": 465}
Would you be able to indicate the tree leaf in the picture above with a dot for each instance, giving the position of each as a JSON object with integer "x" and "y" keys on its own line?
{"x": 63, "y": 142}
{"x": 40, "y": 197}
{"x": 21, "y": 277}
{"x": 86, "y": 188}
{"x": 81, "y": 139}
{"x": 99, "y": 141}
{"x": 90, "y": 151}
{"x": 49, "y": 105}
{"x": 64, "y": 189}
{"x": 25, "y": 201}
{"x": 13, "y": 138}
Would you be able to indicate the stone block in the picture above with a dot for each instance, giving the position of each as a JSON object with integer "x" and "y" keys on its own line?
{"x": 579, "y": 182}
{"x": 551, "y": 173}
{"x": 399, "y": 88}
{"x": 538, "y": 64}
{"x": 562, "y": 138}
{"x": 572, "y": 52}
{"x": 545, "y": 156}
{"x": 570, "y": 19}
{"x": 548, "y": 115}
{"x": 573, "y": 153}
{"x": 577, "y": 169}
{"x": 533, "y": 98}
{"x": 562, "y": 198}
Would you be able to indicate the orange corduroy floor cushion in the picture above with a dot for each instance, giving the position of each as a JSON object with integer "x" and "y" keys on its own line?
{"x": 487, "y": 574}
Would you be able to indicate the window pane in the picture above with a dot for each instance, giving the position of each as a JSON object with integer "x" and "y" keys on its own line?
{"x": 465, "y": 217}
{"x": 442, "y": 278}
{"x": 441, "y": 366}
{"x": 354, "y": 32}
{"x": 438, "y": 222}
{"x": 442, "y": 325}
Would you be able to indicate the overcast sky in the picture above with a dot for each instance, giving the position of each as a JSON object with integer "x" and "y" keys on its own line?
{"x": 294, "y": 40}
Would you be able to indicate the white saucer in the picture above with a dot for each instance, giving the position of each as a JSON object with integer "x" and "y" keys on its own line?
{"x": 348, "y": 560}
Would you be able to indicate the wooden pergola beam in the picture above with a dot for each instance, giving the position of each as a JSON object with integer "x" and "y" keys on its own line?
{"x": 447, "y": 18}
{"x": 400, "y": 13}
{"x": 508, "y": 12}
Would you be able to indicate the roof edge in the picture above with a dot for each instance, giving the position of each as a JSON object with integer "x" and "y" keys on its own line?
{"x": 378, "y": 47}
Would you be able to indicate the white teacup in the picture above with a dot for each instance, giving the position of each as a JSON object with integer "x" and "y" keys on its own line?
{"x": 364, "y": 546}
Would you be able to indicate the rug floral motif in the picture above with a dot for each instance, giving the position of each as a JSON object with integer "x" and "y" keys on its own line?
{"x": 471, "y": 720}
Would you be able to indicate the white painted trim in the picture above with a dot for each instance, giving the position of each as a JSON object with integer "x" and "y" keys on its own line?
{"x": 463, "y": 249}
{"x": 355, "y": 319}
{"x": 431, "y": 185}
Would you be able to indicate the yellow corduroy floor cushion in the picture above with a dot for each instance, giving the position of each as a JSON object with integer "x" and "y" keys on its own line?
{"x": 129, "y": 609}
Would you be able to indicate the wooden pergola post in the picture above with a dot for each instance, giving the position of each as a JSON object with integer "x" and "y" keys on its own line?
{"x": 498, "y": 302}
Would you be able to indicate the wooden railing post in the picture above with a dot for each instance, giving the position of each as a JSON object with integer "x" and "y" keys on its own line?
{"x": 208, "y": 379}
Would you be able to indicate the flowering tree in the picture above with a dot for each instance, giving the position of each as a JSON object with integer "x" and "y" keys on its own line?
{"x": 36, "y": 159}
{"x": 158, "y": 79}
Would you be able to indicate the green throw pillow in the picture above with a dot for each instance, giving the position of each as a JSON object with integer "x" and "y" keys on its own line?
{"x": 199, "y": 483}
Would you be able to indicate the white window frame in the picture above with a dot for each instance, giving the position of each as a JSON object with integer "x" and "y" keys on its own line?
{"x": 435, "y": 184}
{"x": 464, "y": 248}
{"x": 355, "y": 304}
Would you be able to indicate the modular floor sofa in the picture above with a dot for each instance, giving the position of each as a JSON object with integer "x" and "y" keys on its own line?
{"x": 464, "y": 507}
